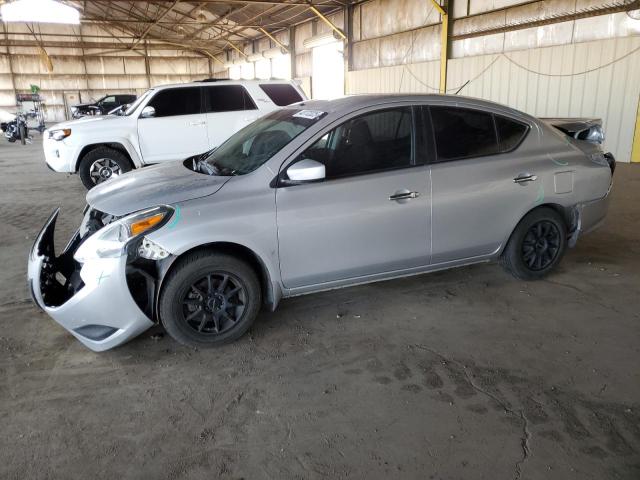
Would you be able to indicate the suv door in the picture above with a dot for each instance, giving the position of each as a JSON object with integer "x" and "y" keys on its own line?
{"x": 178, "y": 129}
{"x": 476, "y": 203}
{"x": 229, "y": 108}
{"x": 370, "y": 214}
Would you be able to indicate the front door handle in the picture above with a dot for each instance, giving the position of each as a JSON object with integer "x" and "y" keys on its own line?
{"x": 196, "y": 124}
{"x": 404, "y": 195}
{"x": 525, "y": 178}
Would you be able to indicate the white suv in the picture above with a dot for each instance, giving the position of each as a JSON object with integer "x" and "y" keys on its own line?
{"x": 171, "y": 122}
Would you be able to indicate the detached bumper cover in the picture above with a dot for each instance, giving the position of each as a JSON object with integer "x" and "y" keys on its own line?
{"x": 94, "y": 304}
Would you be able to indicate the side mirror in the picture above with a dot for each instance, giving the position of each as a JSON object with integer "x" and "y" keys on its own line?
{"x": 148, "y": 112}
{"x": 306, "y": 170}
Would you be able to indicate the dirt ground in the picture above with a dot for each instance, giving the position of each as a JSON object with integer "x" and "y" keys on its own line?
{"x": 461, "y": 374}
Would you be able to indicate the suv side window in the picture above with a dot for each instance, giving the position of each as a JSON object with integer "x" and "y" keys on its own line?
{"x": 108, "y": 102}
{"x": 176, "y": 101}
{"x": 228, "y": 98}
{"x": 463, "y": 133}
{"x": 372, "y": 142}
{"x": 510, "y": 132}
{"x": 281, "y": 93}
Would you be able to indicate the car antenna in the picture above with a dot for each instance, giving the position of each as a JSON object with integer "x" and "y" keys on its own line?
{"x": 463, "y": 85}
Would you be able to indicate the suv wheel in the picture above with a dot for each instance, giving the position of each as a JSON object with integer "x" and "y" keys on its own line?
{"x": 102, "y": 164}
{"x": 536, "y": 246}
{"x": 209, "y": 299}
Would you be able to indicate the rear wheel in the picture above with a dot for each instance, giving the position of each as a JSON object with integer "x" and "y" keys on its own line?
{"x": 102, "y": 164}
{"x": 209, "y": 299}
{"x": 536, "y": 246}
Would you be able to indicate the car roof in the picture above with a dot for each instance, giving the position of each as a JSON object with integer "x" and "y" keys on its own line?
{"x": 220, "y": 82}
{"x": 356, "y": 102}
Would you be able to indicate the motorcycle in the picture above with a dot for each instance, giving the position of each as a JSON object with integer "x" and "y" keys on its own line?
{"x": 16, "y": 129}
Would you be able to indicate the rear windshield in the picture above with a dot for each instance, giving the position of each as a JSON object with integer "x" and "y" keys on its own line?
{"x": 281, "y": 93}
{"x": 256, "y": 143}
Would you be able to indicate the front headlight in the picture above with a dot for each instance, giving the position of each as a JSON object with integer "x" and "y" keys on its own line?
{"x": 111, "y": 240}
{"x": 60, "y": 134}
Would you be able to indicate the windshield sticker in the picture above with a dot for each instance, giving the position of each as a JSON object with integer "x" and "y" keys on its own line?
{"x": 309, "y": 114}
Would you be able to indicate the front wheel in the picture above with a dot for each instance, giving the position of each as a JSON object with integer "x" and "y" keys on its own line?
{"x": 536, "y": 246}
{"x": 102, "y": 164}
{"x": 209, "y": 299}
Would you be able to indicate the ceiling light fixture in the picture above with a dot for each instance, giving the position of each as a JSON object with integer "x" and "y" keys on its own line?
{"x": 39, "y": 11}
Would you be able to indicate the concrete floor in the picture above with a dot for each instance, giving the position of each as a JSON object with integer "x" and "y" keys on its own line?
{"x": 461, "y": 374}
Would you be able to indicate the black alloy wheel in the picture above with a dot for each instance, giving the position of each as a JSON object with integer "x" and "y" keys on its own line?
{"x": 541, "y": 245}
{"x": 536, "y": 245}
{"x": 209, "y": 298}
{"x": 214, "y": 304}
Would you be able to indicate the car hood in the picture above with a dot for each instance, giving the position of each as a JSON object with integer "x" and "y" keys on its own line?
{"x": 150, "y": 186}
{"x": 86, "y": 120}
{"x": 85, "y": 105}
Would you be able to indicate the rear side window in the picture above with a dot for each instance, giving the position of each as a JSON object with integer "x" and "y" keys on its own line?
{"x": 463, "y": 133}
{"x": 281, "y": 93}
{"x": 228, "y": 98}
{"x": 510, "y": 132}
{"x": 176, "y": 101}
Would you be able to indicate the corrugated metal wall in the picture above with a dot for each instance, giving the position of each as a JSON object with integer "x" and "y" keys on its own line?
{"x": 541, "y": 81}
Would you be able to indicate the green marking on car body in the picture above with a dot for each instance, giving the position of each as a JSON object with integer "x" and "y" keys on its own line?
{"x": 560, "y": 163}
{"x": 102, "y": 277}
{"x": 176, "y": 218}
{"x": 540, "y": 197}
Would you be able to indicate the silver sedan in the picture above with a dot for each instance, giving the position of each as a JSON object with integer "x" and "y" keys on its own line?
{"x": 320, "y": 195}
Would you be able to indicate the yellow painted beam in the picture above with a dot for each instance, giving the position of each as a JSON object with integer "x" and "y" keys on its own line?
{"x": 635, "y": 148}
{"x": 274, "y": 39}
{"x": 444, "y": 46}
{"x": 237, "y": 49}
{"x": 328, "y": 22}
{"x": 438, "y": 7}
{"x": 444, "y": 54}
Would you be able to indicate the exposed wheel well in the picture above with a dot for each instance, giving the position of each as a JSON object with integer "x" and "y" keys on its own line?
{"x": 569, "y": 215}
{"x": 115, "y": 146}
{"x": 239, "y": 251}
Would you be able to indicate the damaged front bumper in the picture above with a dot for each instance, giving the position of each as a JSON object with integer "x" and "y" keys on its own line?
{"x": 91, "y": 300}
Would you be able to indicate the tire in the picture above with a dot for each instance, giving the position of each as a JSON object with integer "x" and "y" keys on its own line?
{"x": 102, "y": 164}
{"x": 195, "y": 295}
{"x": 536, "y": 245}
{"x": 23, "y": 134}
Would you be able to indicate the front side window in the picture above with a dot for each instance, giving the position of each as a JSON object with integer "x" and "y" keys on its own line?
{"x": 176, "y": 101}
{"x": 463, "y": 133}
{"x": 369, "y": 143}
{"x": 256, "y": 143}
{"x": 107, "y": 100}
{"x": 228, "y": 98}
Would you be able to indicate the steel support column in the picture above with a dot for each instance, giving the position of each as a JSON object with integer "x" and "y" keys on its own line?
{"x": 444, "y": 41}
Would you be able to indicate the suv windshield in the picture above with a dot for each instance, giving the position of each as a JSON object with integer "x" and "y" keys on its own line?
{"x": 134, "y": 105}
{"x": 256, "y": 143}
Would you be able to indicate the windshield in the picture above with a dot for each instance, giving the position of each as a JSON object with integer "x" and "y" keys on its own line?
{"x": 134, "y": 105}
{"x": 256, "y": 143}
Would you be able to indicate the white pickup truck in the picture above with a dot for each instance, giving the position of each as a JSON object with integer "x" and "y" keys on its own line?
{"x": 170, "y": 122}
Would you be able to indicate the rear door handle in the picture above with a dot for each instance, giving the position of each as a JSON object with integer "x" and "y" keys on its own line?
{"x": 404, "y": 195}
{"x": 197, "y": 124}
{"x": 525, "y": 178}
